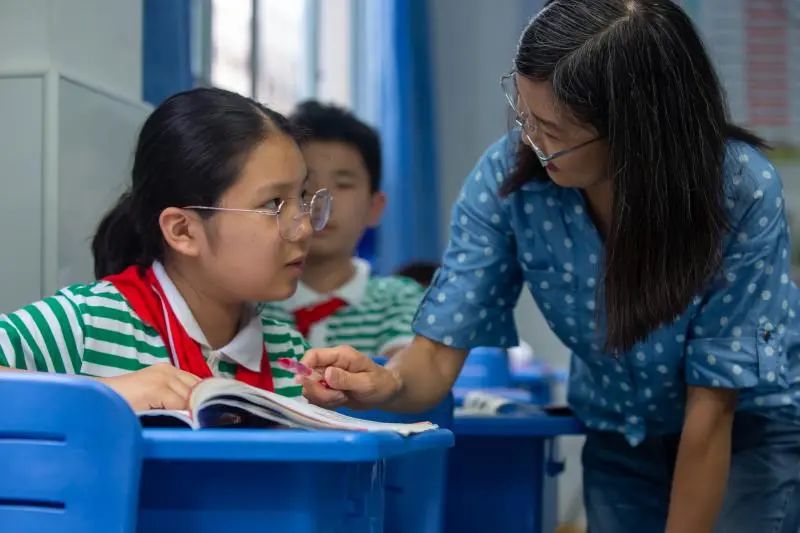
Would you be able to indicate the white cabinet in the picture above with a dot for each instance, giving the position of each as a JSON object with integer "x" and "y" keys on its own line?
{"x": 70, "y": 111}
{"x": 21, "y": 154}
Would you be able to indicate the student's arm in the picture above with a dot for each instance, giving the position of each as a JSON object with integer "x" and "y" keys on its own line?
{"x": 11, "y": 349}
{"x": 704, "y": 456}
{"x": 282, "y": 341}
{"x": 48, "y": 336}
{"x": 45, "y": 336}
{"x": 159, "y": 386}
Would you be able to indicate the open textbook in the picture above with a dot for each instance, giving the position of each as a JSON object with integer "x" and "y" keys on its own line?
{"x": 218, "y": 402}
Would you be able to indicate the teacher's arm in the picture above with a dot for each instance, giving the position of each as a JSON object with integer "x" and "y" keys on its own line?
{"x": 414, "y": 379}
{"x": 704, "y": 456}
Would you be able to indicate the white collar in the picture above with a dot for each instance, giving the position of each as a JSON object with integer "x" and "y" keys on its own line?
{"x": 352, "y": 291}
{"x": 245, "y": 348}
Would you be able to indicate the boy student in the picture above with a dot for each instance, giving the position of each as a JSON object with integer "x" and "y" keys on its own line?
{"x": 338, "y": 301}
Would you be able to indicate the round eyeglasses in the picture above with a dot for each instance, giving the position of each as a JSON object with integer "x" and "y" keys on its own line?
{"x": 290, "y": 213}
{"x": 528, "y": 124}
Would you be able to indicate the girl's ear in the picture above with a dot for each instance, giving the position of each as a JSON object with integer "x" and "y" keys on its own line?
{"x": 182, "y": 230}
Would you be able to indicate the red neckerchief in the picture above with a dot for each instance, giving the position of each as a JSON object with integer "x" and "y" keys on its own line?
{"x": 306, "y": 317}
{"x": 148, "y": 300}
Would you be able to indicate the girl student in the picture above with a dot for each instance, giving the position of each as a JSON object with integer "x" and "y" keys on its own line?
{"x": 216, "y": 218}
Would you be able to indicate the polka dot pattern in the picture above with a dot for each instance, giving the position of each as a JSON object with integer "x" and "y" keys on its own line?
{"x": 542, "y": 236}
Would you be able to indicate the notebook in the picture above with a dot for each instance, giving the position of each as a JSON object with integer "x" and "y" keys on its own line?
{"x": 489, "y": 403}
{"x": 219, "y": 402}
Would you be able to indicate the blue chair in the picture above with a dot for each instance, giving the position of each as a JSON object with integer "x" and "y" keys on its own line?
{"x": 70, "y": 456}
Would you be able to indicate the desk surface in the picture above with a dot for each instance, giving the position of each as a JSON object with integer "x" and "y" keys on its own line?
{"x": 285, "y": 445}
{"x": 516, "y": 426}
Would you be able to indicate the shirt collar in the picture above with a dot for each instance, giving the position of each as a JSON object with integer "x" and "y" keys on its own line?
{"x": 352, "y": 291}
{"x": 245, "y": 348}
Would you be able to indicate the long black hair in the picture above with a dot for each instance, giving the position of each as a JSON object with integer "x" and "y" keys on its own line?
{"x": 637, "y": 71}
{"x": 190, "y": 151}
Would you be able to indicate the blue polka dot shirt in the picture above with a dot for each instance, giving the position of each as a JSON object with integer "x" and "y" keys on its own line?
{"x": 740, "y": 333}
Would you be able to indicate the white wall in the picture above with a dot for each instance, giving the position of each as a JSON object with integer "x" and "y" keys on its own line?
{"x": 474, "y": 45}
{"x": 24, "y": 35}
{"x": 96, "y": 40}
{"x": 70, "y": 86}
{"x": 100, "y": 41}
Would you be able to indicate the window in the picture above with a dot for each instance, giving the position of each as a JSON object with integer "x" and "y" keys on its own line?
{"x": 232, "y": 45}
{"x": 284, "y": 38}
{"x": 755, "y": 46}
{"x": 334, "y": 80}
{"x": 277, "y": 51}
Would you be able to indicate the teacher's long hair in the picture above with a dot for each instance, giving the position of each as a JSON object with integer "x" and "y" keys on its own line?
{"x": 637, "y": 71}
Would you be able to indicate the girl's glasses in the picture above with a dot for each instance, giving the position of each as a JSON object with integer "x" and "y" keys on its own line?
{"x": 290, "y": 212}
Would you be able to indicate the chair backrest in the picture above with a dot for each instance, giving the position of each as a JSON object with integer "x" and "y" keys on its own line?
{"x": 70, "y": 456}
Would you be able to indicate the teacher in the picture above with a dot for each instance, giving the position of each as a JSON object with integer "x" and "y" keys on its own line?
{"x": 652, "y": 234}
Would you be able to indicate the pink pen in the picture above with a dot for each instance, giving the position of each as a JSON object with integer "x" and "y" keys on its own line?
{"x": 298, "y": 368}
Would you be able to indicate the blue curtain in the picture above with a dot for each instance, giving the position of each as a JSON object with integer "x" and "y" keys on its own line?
{"x": 166, "y": 49}
{"x": 401, "y": 76}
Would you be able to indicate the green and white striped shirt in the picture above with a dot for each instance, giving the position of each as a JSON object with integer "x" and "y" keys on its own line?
{"x": 91, "y": 330}
{"x": 377, "y": 317}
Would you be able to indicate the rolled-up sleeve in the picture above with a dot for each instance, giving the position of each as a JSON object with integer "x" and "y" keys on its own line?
{"x": 737, "y": 333}
{"x": 472, "y": 297}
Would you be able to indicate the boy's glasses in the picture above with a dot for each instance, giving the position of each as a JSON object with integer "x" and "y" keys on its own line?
{"x": 528, "y": 124}
{"x": 290, "y": 213}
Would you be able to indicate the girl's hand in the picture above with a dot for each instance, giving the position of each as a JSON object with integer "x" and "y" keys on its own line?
{"x": 159, "y": 386}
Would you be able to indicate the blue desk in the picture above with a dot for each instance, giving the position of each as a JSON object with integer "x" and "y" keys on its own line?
{"x": 270, "y": 480}
{"x": 540, "y": 426}
{"x": 501, "y": 475}
{"x": 415, "y": 503}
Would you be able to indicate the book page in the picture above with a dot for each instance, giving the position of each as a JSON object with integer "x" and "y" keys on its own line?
{"x": 290, "y": 411}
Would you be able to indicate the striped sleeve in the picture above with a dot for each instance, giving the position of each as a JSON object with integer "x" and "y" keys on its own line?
{"x": 117, "y": 341}
{"x": 405, "y": 298}
{"x": 283, "y": 341}
{"x": 45, "y": 336}
{"x": 83, "y": 329}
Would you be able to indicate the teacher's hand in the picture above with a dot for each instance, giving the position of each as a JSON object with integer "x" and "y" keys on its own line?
{"x": 352, "y": 379}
